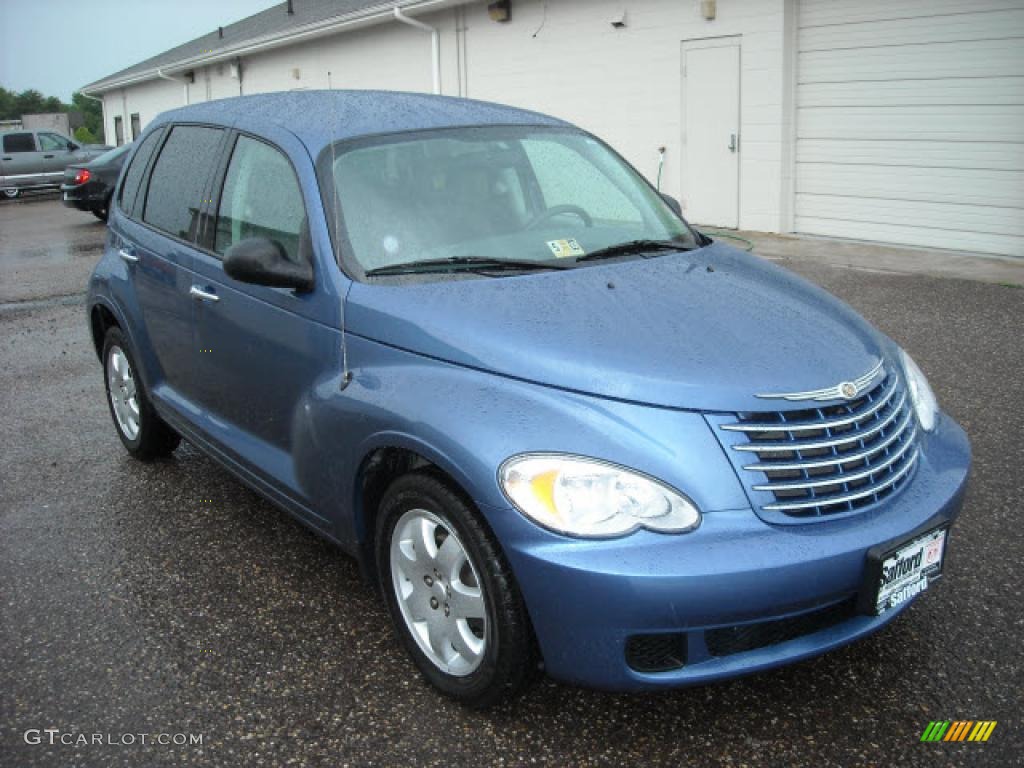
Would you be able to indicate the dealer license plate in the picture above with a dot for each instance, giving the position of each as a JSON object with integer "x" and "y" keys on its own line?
{"x": 907, "y": 570}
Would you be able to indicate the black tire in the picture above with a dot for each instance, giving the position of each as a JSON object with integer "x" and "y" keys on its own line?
{"x": 509, "y": 658}
{"x": 100, "y": 213}
{"x": 12, "y": 193}
{"x": 154, "y": 438}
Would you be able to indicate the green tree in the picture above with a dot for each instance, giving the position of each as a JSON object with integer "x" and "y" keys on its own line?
{"x": 84, "y": 136}
{"x": 92, "y": 112}
{"x": 29, "y": 102}
{"x": 7, "y": 105}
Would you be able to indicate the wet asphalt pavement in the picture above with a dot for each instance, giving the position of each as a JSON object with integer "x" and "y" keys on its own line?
{"x": 168, "y": 598}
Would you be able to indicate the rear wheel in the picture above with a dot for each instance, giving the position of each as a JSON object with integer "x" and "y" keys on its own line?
{"x": 144, "y": 434}
{"x": 11, "y": 193}
{"x": 103, "y": 211}
{"x": 451, "y": 595}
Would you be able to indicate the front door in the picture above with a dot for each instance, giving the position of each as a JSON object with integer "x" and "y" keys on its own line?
{"x": 711, "y": 131}
{"x": 261, "y": 350}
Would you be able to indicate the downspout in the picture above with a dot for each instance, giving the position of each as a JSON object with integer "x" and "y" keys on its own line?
{"x": 435, "y": 44}
{"x": 160, "y": 74}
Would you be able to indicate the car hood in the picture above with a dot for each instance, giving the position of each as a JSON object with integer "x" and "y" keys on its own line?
{"x": 707, "y": 330}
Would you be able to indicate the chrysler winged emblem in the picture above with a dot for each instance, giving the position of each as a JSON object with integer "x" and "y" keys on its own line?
{"x": 844, "y": 390}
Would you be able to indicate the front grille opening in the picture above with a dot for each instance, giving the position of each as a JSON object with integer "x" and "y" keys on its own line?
{"x": 656, "y": 653}
{"x": 832, "y": 459}
{"x": 726, "y": 641}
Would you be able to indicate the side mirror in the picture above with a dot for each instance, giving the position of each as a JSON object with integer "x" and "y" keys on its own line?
{"x": 72, "y": 146}
{"x": 672, "y": 203}
{"x": 262, "y": 262}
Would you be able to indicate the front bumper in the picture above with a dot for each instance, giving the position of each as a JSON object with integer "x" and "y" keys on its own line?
{"x": 588, "y": 598}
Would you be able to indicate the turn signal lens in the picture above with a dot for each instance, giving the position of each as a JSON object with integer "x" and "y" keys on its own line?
{"x": 925, "y": 404}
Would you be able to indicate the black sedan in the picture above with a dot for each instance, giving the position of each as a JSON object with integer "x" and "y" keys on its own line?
{"x": 88, "y": 187}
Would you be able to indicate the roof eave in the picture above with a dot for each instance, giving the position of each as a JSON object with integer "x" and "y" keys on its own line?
{"x": 366, "y": 17}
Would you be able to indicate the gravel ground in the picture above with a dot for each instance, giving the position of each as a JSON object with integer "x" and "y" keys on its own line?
{"x": 167, "y": 598}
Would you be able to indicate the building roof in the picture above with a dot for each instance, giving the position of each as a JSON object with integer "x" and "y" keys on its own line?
{"x": 328, "y": 116}
{"x": 274, "y": 26}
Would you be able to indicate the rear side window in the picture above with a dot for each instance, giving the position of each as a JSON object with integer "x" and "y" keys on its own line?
{"x": 175, "y": 197}
{"x": 19, "y": 142}
{"x": 261, "y": 198}
{"x": 132, "y": 179}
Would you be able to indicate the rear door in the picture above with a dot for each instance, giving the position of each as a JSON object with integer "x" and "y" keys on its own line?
{"x": 165, "y": 199}
{"x": 262, "y": 349}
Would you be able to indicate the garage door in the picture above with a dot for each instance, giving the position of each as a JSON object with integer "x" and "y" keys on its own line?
{"x": 910, "y": 122}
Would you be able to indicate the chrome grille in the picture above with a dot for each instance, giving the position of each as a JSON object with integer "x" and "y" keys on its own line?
{"x": 828, "y": 460}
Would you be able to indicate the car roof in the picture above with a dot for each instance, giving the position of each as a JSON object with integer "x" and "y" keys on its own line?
{"x": 320, "y": 117}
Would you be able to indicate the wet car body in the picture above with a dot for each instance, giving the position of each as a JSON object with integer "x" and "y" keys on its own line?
{"x": 675, "y": 365}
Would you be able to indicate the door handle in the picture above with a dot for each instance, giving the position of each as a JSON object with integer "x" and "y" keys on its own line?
{"x": 732, "y": 142}
{"x": 47, "y": 157}
{"x": 131, "y": 258}
{"x": 7, "y": 158}
{"x": 198, "y": 293}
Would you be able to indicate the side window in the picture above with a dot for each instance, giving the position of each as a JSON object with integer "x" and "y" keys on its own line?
{"x": 175, "y": 196}
{"x": 566, "y": 177}
{"x": 51, "y": 142}
{"x": 133, "y": 176}
{"x": 19, "y": 142}
{"x": 261, "y": 198}
{"x": 119, "y": 130}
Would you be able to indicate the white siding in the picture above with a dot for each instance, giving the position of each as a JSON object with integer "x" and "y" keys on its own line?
{"x": 910, "y": 122}
{"x": 564, "y": 58}
{"x": 148, "y": 99}
{"x": 622, "y": 84}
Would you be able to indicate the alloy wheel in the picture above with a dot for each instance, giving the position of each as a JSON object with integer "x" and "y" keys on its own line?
{"x": 438, "y": 592}
{"x": 123, "y": 393}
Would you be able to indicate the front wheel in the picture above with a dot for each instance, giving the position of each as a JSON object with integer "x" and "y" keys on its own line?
{"x": 451, "y": 595}
{"x": 11, "y": 193}
{"x": 143, "y": 433}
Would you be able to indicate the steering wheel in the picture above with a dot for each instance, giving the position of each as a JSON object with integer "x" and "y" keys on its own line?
{"x": 558, "y": 210}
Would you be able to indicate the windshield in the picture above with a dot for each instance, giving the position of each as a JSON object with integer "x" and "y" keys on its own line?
{"x": 508, "y": 194}
{"x": 113, "y": 154}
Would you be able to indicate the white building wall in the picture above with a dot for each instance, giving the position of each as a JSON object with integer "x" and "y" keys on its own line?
{"x": 625, "y": 85}
{"x": 563, "y": 58}
{"x": 148, "y": 99}
{"x": 391, "y": 56}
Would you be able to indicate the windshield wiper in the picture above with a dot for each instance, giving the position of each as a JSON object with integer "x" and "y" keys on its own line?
{"x": 631, "y": 247}
{"x": 462, "y": 264}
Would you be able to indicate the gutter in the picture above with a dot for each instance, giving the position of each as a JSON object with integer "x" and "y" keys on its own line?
{"x": 435, "y": 44}
{"x": 160, "y": 74}
{"x": 363, "y": 18}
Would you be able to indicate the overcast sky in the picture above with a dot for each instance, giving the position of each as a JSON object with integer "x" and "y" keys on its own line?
{"x": 57, "y": 46}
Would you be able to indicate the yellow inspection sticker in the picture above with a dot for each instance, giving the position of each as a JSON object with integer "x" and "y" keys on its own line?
{"x": 565, "y": 248}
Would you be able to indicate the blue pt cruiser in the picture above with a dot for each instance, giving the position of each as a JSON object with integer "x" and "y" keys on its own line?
{"x": 556, "y": 424}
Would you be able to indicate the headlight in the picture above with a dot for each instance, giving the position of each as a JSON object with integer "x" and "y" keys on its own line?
{"x": 921, "y": 394}
{"x": 587, "y": 497}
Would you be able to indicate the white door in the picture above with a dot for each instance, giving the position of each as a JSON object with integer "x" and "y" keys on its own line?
{"x": 711, "y": 131}
{"x": 910, "y": 122}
